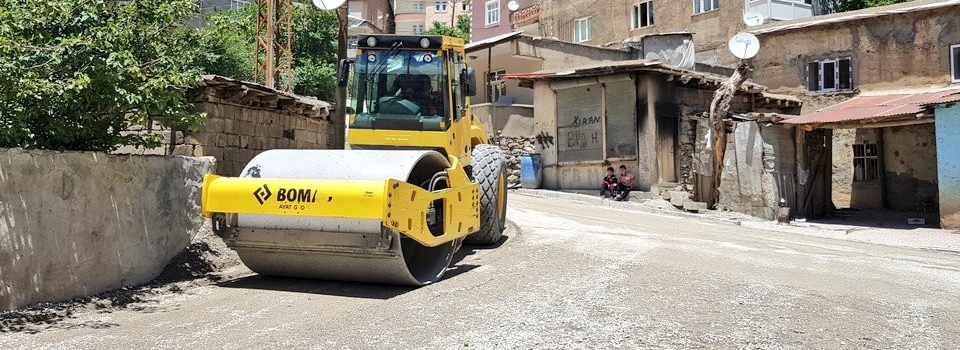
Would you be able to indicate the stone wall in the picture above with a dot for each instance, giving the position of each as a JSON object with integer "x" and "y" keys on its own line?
{"x": 244, "y": 119}
{"x": 514, "y": 148}
{"x": 78, "y": 223}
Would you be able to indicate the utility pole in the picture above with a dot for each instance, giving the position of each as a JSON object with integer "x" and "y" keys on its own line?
{"x": 273, "y": 55}
{"x": 341, "y": 111}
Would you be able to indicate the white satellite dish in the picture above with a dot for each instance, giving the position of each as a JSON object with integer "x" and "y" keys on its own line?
{"x": 753, "y": 18}
{"x": 328, "y": 4}
{"x": 513, "y": 5}
{"x": 744, "y": 45}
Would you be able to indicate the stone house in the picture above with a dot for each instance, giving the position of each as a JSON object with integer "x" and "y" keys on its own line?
{"x": 865, "y": 78}
{"x": 637, "y": 113}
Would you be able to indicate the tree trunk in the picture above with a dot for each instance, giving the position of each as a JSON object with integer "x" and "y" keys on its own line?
{"x": 453, "y": 14}
{"x": 719, "y": 109}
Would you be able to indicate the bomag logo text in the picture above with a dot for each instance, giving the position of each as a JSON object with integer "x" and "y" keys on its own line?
{"x": 297, "y": 195}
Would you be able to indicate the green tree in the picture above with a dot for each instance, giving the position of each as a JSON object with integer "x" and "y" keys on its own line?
{"x": 228, "y": 40}
{"x": 229, "y": 37}
{"x": 75, "y": 75}
{"x": 461, "y": 30}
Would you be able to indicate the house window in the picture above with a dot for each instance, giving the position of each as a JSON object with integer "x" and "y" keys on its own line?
{"x": 496, "y": 85}
{"x": 581, "y": 30}
{"x": 643, "y": 15}
{"x": 866, "y": 162}
{"x": 419, "y": 7}
{"x": 440, "y": 6}
{"x": 465, "y": 6}
{"x": 238, "y": 4}
{"x": 955, "y": 62}
{"x": 418, "y": 28}
{"x": 834, "y": 74}
{"x": 493, "y": 12}
{"x": 701, "y": 6}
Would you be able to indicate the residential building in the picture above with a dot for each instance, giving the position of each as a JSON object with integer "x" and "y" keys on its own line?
{"x": 368, "y": 17}
{"x": 446, "y": 11}
{"x": 415, "y": 16}
{"x": 870, "y": 80}
{"x": 492, "y": 18}
{"x": 616, "y": 23}
{"x": 410, "y": 16}
{"x": 376, "y": 13}
{"x": 912, "y": 44}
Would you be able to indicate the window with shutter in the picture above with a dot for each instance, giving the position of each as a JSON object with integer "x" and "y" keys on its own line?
{"x": 834, "y": 74}
{"x": 955, "y": 62}
{"x": 813, "y": 76}
{"x": 844, "y": 81}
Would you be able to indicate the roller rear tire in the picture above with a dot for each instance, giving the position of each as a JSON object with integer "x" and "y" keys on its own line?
{"x": 490, "y": 171}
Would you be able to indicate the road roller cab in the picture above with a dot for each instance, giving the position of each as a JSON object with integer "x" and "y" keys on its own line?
{"x": 419, "y": 178}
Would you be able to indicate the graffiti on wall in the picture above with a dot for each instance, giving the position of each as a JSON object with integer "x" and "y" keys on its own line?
{"x": 545, "y": 140}
{"x": 582, "y": 133}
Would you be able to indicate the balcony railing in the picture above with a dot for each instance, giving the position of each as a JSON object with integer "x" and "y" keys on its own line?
{"x": 782, "y": 10}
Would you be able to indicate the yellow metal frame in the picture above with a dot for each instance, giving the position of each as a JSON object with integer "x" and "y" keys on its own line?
{"x": 397, "y": 204}
{"x": 457, "y": 141}
{"x": 400, "y": 205}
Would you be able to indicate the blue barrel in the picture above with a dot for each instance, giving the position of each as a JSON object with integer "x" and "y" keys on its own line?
{"x": 530, "y": 171}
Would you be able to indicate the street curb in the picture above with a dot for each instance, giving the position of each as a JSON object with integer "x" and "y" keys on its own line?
{"x": 750, "y": 223}
{"x": 628, "y": 205}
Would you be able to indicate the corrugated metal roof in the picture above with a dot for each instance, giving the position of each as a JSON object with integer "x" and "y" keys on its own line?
{"x": 876, "y": 108}
{"x": 895, "y": 9}
{"x": 614, "y": 67}
{"x": 953, "y": 98}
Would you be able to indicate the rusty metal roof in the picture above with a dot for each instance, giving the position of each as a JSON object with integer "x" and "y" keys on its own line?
{"x": 871, "y": 109}
{"x": 614, "y": 67}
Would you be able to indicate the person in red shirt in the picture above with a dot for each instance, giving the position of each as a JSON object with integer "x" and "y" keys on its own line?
{"x": 609, "y": 183}
{"x": 626, "y": 183}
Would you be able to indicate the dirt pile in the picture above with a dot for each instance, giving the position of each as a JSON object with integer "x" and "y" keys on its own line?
{"x": 199, "y": 264}
{"x": 204, "y": 257}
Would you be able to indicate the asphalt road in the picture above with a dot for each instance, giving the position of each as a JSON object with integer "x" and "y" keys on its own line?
{"x": 570, "y": 275}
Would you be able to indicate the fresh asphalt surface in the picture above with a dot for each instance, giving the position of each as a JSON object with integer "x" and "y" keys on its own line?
{"x": 569, "y": 275}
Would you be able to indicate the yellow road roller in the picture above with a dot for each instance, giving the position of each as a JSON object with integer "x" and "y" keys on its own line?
{"x": 417, "y": 181}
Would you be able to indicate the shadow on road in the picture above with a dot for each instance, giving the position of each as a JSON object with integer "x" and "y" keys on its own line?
{"x": 311, "y": 286}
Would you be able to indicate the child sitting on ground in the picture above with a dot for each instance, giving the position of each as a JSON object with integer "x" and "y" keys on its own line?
{"x": 609, "y": 184}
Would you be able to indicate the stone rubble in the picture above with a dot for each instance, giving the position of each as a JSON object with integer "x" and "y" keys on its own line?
{"x": 514, "y": 148}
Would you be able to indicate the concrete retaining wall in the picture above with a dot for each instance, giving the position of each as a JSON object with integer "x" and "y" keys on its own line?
{"x": 509, "y": 121}
{"x": 79, "y": 223}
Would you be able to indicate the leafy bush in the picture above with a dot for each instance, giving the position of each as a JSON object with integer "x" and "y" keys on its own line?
{"x": 230, "y": 38}
{"x": 77, "y": 74}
